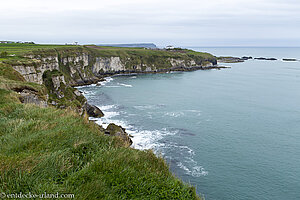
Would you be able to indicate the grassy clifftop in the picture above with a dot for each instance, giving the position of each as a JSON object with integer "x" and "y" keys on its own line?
{"x": 53, "y": 150}
{"x": 56, "y": 150}
{"x": 135, "y": 55}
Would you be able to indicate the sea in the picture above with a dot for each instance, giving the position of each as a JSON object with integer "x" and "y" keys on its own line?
{"x": 232, "y": 133}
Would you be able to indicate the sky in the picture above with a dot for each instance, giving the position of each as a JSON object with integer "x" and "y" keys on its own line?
{"x": 163, "y": 22}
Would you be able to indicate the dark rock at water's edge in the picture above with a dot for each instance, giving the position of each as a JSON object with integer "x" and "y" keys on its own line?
{"x": 246, "y": 57}
{"x": 115, "y": 130}
{"x": 93, "y": 111}
{"x": 230, "y": 59}
{"x": 262, "y": 58}
{"x": 289, "y": 59}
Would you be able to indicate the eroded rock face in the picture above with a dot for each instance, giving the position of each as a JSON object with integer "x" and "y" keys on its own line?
{"x": 29, "y": 73}
{"x": 208, "y": 64}
{"x": 114, "y": 130}
{"x": 177, "y": 63}
{"x": 56, "y": 80}
{"x": 29, "y": 97}
{"x": 76, "y": 64}
{"x": 112, "y": 64}
{"x": 35, "y": 73}
{"x": 186, "y": 64}
{"x": 93, "y": 111}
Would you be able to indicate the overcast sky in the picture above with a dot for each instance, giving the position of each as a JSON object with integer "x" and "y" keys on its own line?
{"x": 181, "y": 23}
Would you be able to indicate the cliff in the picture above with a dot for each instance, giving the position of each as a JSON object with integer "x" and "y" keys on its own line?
{"x": 85, "y": 65}
{"x": 59, "y": 69}
{"x": 47, "y": 142}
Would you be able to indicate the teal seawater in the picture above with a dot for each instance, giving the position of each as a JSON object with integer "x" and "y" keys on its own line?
{"x": 233, "y": 133}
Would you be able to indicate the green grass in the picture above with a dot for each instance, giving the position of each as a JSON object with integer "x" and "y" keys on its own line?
{"x": 52, "y": 150}
{"x": 19, "y": 49}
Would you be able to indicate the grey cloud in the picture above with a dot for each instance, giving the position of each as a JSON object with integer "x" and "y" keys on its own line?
{"x": 163, "y": 22}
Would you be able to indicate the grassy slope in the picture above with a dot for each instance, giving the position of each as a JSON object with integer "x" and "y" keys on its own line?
{"x": 52, "y": 150}
{"x": 19, "y": 49}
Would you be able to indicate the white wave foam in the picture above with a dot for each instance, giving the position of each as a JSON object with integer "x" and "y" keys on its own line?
{"x": 107, "y": 80}
{"x": 146, "y": 139}
{"x": 79, "y": 87}
{"x": 152, "y": 139}
{"x": 88, "y": 93}
{"x": 106, "y": 107}
{"x": 174, "y": 114}
{"x": 125, "y": 85}
{"x": 186, "y": 161}
{"x": 144, "y": 107}
{"x": 195, "y": 171}
{"x": 148, "y": 107}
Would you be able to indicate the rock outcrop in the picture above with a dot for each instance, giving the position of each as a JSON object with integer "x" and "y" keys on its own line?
{"x": 290, "y": 59}
{"x": 112, "y": 64}
{"x": 93, "y": 111}
{"x": 114, "y": 130}
{"x": 31, "y": 97}
{"x": 262, "y": 58}
{"x": 63, "y": 68}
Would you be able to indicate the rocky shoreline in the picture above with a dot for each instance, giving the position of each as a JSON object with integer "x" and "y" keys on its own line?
{"x": 116, "y": 130}
{"x": 61, "y": 70}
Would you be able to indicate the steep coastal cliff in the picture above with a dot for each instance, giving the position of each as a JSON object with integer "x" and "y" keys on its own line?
{"x": 61, "y": 68}
{"x": 84, "y": 65}
{"x": 47, "y": 142}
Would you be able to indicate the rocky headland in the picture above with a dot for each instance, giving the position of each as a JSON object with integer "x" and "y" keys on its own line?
{"x": 48, "y": 142}
{"x": 60, "y": 69}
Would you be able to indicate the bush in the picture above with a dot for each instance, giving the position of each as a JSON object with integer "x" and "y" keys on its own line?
{"x": 3, "y": 54}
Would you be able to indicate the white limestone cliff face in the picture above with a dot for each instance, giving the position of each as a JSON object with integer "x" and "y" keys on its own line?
{"x": 112, "y": 64}
{"x": 29, "y": 73}
{"x": 56, "y": 80}
{"x": 83, "y": 68}
{"x": 208, "y": 64}
{"x": 35, "y": 73}
{"x": 48, "y": 63}
{"x": 77, "y": 64}
{"x": 182, "y": 63}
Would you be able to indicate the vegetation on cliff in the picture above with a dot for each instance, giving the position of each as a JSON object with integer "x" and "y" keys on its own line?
{"x": 57, "y": 150}
{"x": 52, "y": 150}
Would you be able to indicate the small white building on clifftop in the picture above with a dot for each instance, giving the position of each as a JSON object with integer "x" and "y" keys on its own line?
{"x": 170, "y": 47}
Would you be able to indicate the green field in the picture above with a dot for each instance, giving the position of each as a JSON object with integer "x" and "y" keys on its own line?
{"x": 19, "y": 49}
